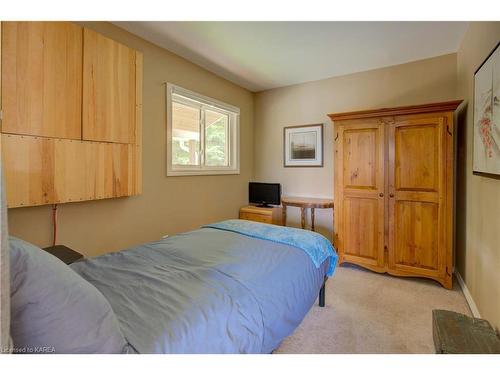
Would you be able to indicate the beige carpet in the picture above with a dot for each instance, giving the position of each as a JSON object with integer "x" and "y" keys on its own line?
{"x": 367, "y": 312}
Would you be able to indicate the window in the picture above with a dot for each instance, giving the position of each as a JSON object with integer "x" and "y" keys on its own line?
{"x": 202, "y": 134}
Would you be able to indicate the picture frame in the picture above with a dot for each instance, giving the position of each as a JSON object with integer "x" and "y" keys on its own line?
{"x": 303, "y": 146}
{"x": 486, "y": 117}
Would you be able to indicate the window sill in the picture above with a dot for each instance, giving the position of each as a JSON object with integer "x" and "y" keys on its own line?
{"x": 208, "y": 172}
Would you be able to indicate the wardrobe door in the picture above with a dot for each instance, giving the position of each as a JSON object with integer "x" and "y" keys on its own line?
{"x": 417, "y": 197}
{"x": 359, "y": 192}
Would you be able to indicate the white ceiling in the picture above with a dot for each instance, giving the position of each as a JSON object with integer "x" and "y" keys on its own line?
{"x": 265, "y": 55}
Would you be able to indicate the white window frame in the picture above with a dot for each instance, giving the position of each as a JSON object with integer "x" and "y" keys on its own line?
{"x": 234, "y": 134}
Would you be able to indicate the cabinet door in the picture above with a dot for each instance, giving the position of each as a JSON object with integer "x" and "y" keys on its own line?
{"x": 417, "y": 188}
{"x": 28, "y": 163}
{"x": 42, "y": 79}
{"x": 359, "y": 192}
{"x": 108, "y": 90}
{"x": 40, "y": 170}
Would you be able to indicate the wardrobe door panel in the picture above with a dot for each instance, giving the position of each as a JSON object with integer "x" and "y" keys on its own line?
{"x": 417, "y": 192}
{"x": 416, "y": 239}
{"x": 361, "y": 234}
{"x": 417, "y": 156}
{"x": 359, "y": 194}
{"x": 360, "y": 158}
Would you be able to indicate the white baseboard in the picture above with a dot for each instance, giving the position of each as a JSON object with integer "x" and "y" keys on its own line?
{"x": 468, "y": 297}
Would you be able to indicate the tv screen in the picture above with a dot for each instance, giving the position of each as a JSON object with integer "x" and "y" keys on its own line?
{"x": 264, "y": 194}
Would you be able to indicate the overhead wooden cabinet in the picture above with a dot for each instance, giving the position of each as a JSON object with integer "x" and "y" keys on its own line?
{"x": 394, "y": 189}
{"x": 46, "y": 157}
{"x": 42, "y": 79}
{"x": 109, "y": 79}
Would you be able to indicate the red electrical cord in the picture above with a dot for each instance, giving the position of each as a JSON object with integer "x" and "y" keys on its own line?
{"x": 54, "y": 224}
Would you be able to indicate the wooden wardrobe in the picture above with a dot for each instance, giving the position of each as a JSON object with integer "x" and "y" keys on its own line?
{"x": 394, "y": 174}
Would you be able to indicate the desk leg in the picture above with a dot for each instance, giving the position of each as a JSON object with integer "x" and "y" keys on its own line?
{"x": 312, "y": 219}
{"x": 283, "y": 215}
{"x": 303, "y": 217}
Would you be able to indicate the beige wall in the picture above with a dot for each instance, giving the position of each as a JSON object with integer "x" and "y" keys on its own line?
{"x": 422, "y": 81}
{"x": 167, "y": 205}
{"x": 478, "y": 198}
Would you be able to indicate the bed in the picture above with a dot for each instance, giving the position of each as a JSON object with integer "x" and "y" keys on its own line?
{"x": 231, "y": 287}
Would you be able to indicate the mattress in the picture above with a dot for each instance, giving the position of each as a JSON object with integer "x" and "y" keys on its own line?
{"x": 207, "y": 291}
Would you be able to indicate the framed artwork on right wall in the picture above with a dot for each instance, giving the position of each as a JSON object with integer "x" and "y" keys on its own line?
{"x": 486, "y": 137}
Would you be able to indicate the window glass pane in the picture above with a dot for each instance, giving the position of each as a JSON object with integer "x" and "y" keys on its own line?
{"x": 216, "y": 139}
{"x": 185, "y": 134}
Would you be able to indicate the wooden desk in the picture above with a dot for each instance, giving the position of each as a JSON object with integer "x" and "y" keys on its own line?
{"x": 303, "y": 203}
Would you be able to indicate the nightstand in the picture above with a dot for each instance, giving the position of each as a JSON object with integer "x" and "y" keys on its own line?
{"x": 268, "y": 215}
{"x": 64, "y": 253}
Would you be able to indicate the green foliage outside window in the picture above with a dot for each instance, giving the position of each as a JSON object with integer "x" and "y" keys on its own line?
{"x": 215, "y": 143}
{"x": 185, "y": 151}
{"x": 179, "y": 155}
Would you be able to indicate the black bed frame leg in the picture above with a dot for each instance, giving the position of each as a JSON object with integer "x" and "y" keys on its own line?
{"x": 322, "y": 294}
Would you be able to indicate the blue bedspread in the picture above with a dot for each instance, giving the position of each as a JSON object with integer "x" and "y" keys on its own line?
{"x": 316, "y": 246}
{"x": 206, "y": 291}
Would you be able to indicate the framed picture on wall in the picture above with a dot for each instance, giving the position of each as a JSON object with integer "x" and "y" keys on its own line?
{"x": 303, "y": 146}
{"x": 486, "y": 137}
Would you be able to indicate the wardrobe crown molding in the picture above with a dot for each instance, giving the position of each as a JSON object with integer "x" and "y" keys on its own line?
{"x": 404, "y": 110}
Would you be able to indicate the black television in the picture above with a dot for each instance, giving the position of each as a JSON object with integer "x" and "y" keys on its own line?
{"x": 264, "y": 194}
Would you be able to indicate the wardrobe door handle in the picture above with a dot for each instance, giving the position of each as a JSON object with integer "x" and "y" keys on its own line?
{"x": 381, "y": 195}
{"x": 391, "y": 195}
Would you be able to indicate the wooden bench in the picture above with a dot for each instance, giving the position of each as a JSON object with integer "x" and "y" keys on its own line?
{"x": 456, "y": 333}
